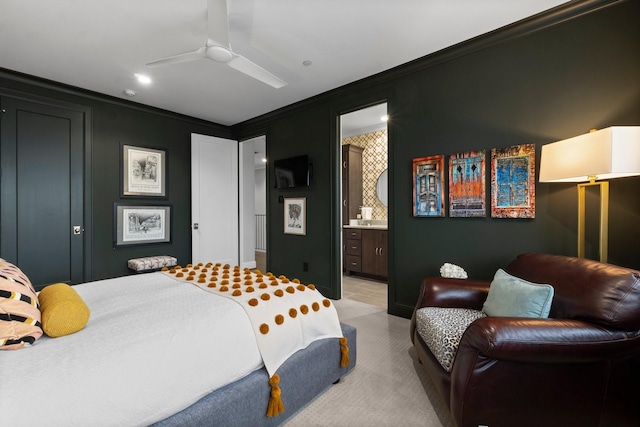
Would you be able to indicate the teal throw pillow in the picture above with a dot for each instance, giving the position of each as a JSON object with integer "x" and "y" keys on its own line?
{"x": 510, "y": 296}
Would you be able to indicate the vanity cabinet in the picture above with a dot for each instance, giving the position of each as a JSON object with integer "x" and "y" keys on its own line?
{"x": 351, "y": 182}
{"x": 365, "y": 252}
{"x": 374, "y": 252}
{"x": 352, "y": 241}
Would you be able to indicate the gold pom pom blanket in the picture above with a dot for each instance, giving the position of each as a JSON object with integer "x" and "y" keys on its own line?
{"x": 286, "y": 316}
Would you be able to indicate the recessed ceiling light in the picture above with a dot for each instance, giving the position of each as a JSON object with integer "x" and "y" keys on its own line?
{"x": 130, "y": 92}
{"x": 143, "y": 78}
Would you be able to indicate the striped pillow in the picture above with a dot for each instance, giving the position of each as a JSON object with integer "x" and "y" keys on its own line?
{"x": 19, "y": 309}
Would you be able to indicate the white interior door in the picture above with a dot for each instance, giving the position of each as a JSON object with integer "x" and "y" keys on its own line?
{"x": 214, "y": 199}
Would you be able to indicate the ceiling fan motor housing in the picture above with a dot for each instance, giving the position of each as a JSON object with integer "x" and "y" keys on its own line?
{"x": 219, "y": 53}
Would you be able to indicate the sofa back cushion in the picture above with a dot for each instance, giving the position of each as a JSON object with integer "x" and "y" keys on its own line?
{"x": 585, "y": 289}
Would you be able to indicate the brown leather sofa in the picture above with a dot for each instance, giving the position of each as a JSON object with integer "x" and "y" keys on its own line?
{"x": 580, "y": 367}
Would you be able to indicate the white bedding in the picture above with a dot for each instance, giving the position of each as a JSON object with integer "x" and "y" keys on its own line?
{"x": 90, "y": 378}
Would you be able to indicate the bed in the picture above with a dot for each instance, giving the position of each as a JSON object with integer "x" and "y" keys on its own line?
{"x": 163, "y": 350}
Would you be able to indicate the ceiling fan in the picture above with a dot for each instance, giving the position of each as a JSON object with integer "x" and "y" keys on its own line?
{"x": 218, "y": 48}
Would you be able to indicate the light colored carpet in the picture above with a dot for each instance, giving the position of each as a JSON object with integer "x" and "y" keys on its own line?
{"x": 388, "y": 387}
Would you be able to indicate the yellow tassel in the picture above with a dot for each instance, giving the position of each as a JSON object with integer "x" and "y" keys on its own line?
{"x": 276, "y": 406}
{"x": 344, "y": 351}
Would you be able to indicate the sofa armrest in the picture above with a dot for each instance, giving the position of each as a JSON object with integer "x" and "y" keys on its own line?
{"x": 507, "y": 369}
{"x": 446, "y": 292}
{"x": 545, "y": 341}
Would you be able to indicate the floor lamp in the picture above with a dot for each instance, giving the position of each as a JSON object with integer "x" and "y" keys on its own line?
{"x": 590, "y": 160}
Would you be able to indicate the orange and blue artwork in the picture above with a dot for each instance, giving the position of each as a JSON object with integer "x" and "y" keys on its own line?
{"x": 467, "y": 185}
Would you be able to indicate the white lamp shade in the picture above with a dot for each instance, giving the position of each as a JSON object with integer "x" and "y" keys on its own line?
{"x": 609, "y": 153}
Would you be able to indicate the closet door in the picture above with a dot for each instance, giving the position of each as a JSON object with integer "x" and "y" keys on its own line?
{"x": 214, "y": 200}
{"x": 42, "y": 222}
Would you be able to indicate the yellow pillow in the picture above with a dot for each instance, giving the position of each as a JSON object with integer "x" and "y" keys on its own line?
{"x": 63, "y": 311}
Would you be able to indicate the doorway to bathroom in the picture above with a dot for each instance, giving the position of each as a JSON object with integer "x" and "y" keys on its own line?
{"x": 364, "y": 197}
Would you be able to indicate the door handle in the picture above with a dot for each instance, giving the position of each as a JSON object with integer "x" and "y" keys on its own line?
{"x": 77, "y": 229}
{"x": 195, "y": 225}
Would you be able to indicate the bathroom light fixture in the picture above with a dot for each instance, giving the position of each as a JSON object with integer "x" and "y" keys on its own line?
{"x": 384, "y": 118}
{"x": 609, "y": 153}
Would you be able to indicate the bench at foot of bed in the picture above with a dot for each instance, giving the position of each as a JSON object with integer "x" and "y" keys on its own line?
{"x": 151, "y": 263}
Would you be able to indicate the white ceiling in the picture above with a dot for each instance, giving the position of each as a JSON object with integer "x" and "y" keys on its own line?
{"x": 364, "y": 120}
{"x": 100, "y": 45}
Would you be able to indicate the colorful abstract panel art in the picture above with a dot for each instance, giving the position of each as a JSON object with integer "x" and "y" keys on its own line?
{"x": 467, "y": 185}
{"x": 428, "y": 186}
{"x": 513, "y": 189}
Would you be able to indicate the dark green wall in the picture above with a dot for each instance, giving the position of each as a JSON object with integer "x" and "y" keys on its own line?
{"x": 550, "y": 78}
{"x": 544, "y": 81}
{"x": 113, "y": 122}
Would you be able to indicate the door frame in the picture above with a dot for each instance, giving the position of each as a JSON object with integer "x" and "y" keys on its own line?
{"x": 87, "y": 190}
{"x": 336, "y": 222}
{"x": 246, "y": 172}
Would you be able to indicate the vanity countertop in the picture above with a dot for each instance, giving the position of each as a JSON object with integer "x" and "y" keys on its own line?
{"x": 372, "y": 226}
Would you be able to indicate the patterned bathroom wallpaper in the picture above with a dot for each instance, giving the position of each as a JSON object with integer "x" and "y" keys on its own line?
{"x": 374, "y": 161}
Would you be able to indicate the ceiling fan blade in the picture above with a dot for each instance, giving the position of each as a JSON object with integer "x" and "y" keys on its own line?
{"x": 218, "y": 25}
{"x": 183, "y": 57}
{"x": 247, "y": 67}
{"x": 219, "y": 50}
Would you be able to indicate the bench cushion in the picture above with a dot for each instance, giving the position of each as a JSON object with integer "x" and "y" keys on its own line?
{"x": 152, "y": 263}
{"x": 442, "y": 329}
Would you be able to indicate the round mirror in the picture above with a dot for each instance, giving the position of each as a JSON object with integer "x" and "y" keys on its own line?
{"x": 382, "y": 187}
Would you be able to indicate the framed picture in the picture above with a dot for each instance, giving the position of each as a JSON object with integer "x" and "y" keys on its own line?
{"x": 467, "y": 185}
{"x": 295, "y": 213}
{"x": 143, "y": 172}
{"x": 141, "y": 224}
{"x": 513, "y": 182}
{"x": 428, "y": 186}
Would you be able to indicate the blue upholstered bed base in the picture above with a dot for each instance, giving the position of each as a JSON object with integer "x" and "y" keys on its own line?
{"x": 303, "y": 377}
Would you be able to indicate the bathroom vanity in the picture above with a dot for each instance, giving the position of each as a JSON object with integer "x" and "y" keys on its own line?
{"x": 365, "y": 250}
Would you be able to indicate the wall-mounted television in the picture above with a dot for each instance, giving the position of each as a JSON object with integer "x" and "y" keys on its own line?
{"x": 292, "y": 172}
